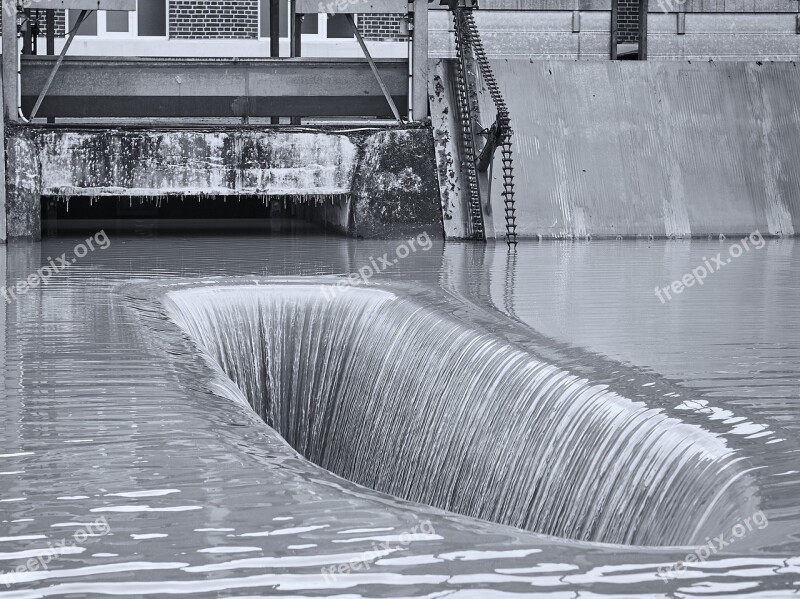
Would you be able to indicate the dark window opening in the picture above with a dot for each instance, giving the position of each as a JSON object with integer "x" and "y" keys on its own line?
{"x": 338, "y": 27}
{"x": 152, "y": 17}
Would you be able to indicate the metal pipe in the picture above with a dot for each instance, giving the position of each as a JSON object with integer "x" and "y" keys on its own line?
{"x": 410, "y": 69}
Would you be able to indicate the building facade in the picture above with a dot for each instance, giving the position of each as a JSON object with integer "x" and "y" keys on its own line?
{"x": 535, "y": 29}
{"x": 236, "y": 28}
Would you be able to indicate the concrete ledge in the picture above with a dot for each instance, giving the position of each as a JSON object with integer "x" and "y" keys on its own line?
{"x": 369, "y": 183}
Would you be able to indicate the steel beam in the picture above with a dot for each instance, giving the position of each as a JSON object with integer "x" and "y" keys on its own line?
{"x": 89, "y": 87}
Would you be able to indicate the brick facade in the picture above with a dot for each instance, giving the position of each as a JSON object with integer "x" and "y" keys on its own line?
{"x": 235, "y": 19}
{"x": 213, "y": 19}
{"x": 61, "y": 19}
{"x": 381, "y": 27}
{"x": 628, "y": 21}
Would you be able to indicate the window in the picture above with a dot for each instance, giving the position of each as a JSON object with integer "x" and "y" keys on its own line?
{"x": 88, "y": 27}
{"x": 152, "y": 17}
{"x": 338, "y": 27}
{"x": 149, "y": 20}
{"x": 313, "y": 24}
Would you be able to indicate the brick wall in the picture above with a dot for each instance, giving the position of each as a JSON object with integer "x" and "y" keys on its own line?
{"x": 381, "y": 27}
{"x": 628, "y": 21}
{"x": 213, "y": 19}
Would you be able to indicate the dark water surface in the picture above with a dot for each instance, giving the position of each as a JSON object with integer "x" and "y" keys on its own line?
{"x": 110, "y": 412}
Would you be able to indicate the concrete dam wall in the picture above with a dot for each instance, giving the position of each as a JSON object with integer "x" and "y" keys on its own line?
{"x": 638, "y": 148}
{"x": 364, "y": 183}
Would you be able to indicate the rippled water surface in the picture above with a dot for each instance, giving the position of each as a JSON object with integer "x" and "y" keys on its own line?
{"x": 112, "y": 414}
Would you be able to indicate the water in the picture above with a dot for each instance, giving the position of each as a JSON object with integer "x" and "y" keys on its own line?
{"x": 460, "y": 419}
{"x": 111, "y": 412}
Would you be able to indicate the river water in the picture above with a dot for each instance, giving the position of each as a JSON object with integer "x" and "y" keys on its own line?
{"x": 124, "y": 445}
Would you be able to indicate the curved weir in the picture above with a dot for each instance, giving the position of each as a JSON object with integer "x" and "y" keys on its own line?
{"x": 410, "y": 401}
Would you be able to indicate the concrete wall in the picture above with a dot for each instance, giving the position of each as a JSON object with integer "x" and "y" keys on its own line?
{"x": 651, "y": 148}
{"x": 724, "y": 35}
{"x": 677, "y": 29}
{"x": 536, "y": 34}
{"x": 365, "y": 183}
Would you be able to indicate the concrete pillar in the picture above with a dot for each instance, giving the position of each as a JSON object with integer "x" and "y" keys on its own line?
{"x": 419, "y": 60}
{"x": 10, "y": 60}
{"x": 3, "y": 232}
{"x": 23, "y": 189}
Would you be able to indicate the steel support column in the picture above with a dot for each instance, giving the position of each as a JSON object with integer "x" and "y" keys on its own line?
{"x": 643, "y": 6}
{"x": 10, "y": 62}
{"x": 614, "y": 29}
{"x": 419, "y": 61}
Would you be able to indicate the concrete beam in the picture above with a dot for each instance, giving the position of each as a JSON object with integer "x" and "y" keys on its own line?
{"x": 148, "y": 87}
{"x": 419, "y": 81}
{"x": 10, "y": 58}
{"x": 352, "y": 7}
{"x": 81, "y": 4}
{"x": 376, "y": 183}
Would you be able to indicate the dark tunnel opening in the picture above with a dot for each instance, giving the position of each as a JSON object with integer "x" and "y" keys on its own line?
{"x": 201, "y": 215}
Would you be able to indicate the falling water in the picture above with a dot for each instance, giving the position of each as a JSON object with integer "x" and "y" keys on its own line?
{"x": 410, "y": 401}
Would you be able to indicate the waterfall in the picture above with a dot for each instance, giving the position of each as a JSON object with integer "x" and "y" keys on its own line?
{"x": 410, "y": 401}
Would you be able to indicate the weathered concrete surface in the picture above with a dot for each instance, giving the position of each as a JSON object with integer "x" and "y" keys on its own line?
{"x": 717, "y": 35}
{"x": 23, "y": 188}
{"x": 395, "y": 191}
{"x": 228, "y": 162}
{"x": 581, "y": 29}
{"x": 652, "y": 148}
{"x": 449, "y": 142}
{"x": 386, "y": 175}
{"x": 535, "y": 34}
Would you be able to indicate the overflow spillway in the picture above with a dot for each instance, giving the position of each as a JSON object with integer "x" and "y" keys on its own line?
{"x": 367, "y": 383}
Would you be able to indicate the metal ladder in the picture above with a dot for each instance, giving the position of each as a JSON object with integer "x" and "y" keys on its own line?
{"x": 468, "y": 44}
